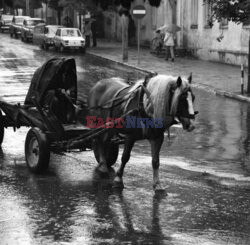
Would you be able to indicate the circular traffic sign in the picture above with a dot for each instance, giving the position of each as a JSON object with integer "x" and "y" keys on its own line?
{"x": 139, "y": 11}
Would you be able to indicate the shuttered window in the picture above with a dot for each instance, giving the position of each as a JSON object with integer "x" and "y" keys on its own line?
{"x": 194, "y": 14}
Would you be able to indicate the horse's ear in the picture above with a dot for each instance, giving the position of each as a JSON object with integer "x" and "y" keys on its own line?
{"x": 179, "y": 81}
{"x": 190, "y": 78}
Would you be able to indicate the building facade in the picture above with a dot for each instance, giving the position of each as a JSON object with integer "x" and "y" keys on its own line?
{"x": 207, "y": 39}
{"x": 204, "y": 37}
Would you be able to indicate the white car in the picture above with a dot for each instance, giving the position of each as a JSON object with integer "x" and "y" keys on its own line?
{"x": 69, "y": 38}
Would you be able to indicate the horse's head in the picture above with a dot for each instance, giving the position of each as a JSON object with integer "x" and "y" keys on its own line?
{"x": 184, "y": 111}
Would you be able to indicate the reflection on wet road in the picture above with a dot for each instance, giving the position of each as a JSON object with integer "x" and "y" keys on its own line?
{"x": 206, "y": 173}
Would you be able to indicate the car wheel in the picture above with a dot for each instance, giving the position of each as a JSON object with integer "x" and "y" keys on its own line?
{"x": 83, "y": 50}
{"x": 16, "y": 36}
{"x": 46, "y": 47}
{"x": 1, "y": 128}
{"x": 2, "y": 30}
{"x": 11, "y": 35}
{"x": 61, "y": 48}
{"x": 22, "y": 39}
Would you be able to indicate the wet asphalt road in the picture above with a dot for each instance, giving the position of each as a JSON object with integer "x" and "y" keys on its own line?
{"x": 206, "y": 174}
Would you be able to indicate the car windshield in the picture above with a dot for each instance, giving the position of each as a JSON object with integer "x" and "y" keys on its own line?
{"x": 7, "y": 17}
{"x": 34, "y": 22}
{"x": 19, "y": 20}
{"x": 71, "y": 33}
{"x": 52, "y": 30}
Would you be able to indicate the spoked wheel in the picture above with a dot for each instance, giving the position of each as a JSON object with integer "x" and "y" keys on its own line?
{"x": 111, "y": 151}
{"x": 155, "y": 45}
{"x": 1, "y": 128}
{"x": 37, "y": 151}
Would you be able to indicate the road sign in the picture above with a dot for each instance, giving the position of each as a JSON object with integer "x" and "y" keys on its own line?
{"x": 139, "y": 11}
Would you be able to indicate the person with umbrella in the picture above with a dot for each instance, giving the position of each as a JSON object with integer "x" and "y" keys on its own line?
{"x": 169, "y": 39}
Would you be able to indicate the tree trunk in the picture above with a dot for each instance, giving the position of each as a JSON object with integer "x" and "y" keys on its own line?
{"x": 125, "y": 21}
{"x": 59, "y": 16}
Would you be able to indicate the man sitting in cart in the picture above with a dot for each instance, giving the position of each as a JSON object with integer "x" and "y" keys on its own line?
{"x": 54, "y": 87}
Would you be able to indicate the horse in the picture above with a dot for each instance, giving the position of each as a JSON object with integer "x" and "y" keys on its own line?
{"x": 158, "y": 102}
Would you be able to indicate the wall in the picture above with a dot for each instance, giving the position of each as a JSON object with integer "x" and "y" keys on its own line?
{"x": 154, "y": 18}
{"x": 203, "y": 43}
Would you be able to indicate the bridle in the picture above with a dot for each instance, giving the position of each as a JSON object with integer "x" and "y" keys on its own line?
{"x": 181, "y": 98}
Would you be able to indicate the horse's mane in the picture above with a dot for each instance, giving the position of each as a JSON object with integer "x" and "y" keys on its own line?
{"x": 159, "y": 88}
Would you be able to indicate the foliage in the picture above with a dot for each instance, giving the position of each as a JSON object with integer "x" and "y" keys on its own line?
{"x": 126, "y": 4}
{"x": 34, "y": 4}
{"x": 54, "y": 4}
{"x": 233, "y": 10}
{"x": 8, "y": 3}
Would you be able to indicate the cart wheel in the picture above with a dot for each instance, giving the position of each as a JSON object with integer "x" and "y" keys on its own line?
{"x": 37, "y": 151}
{"x": 1, "y": 128}
{"x": 111, "y": 152}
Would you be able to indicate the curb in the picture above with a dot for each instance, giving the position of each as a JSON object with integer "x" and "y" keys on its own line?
{"x": 207, "y": 88}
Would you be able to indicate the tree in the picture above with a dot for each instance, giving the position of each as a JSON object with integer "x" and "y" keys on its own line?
{"x": 21, "y": 4}
{"x": 237, "y": 11}
{"x": 54, "y": 4}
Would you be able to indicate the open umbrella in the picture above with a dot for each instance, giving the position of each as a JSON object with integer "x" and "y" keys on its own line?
{"x": 173, "y": 28}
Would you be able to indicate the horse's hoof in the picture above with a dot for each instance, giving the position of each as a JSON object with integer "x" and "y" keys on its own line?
{"x": 160, "y": 192}
{"x": 101, "y": 174}
{"x": 158, "y": 189}
{"x": 118, "y": 185}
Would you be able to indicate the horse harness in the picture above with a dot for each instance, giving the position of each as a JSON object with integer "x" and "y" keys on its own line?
{"x": 128, "y": 97}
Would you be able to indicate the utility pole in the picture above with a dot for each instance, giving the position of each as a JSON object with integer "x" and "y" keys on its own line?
{"x": 28, "y": 7}
{"x": 248, "y": 82}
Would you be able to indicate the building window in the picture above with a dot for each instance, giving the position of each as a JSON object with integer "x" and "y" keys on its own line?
{"x": 194, "y": 14}
{"x": 208, "y": 18}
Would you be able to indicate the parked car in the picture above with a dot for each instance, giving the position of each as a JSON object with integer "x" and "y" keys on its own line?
{"x": 69, "y": 38}
{"x": 43, "y": 35}
{"x": 5, "y": 20}
{"x": 28, "y": 28}
{"x": 16, "y": 25}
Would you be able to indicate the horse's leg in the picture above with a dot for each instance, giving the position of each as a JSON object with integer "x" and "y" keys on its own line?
{"x": 155, "y": 151}
{"x": 102, "y": 167}
{"x": 129, "y": 143}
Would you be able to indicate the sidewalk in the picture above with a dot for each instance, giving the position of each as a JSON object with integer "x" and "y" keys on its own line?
{"x": 215, "y": 77}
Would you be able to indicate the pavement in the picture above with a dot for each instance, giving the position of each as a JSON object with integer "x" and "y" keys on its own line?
{"x": 221, "y": 79}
